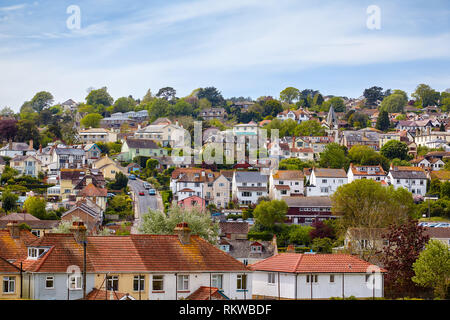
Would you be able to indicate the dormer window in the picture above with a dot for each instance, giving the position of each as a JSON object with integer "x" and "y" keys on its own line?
{"x": 35, "y": 253}
{"x": 225, "y": 248}
{"x": 256, "y": 248}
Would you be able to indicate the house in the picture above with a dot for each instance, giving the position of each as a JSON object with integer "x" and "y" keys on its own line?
{"x": 246, "y": 129}
{"x": 306, "y": 210}
{"x": 386, "y": 137}
{"x": 413, "y": 179}
{"x": 233, "y": 230}
{"x": 72, "y": 181}
{"x": 26, "y": 165}
{"x": 11, "y": 280}
{"x": 249, "y": 186}
{"x": 65, "y": 158}
{"x": 221, "y": 191}
{"x": 361, "y": 137}
{"x": 324, "y": 182}
{"x": 92, "y": 151}
{"x": 248, "y": 251}
{"x": 192, "y": 201}
{"x": 286, "y": 183}
{"x": 12, "y": 149}
{"x": 94, "y": 135}
{"x": 96, "y": 194}
{"x": 431, "y": 139}
{"x": 69, "y": 105}
{"x": 316, "y": 276}
{"x": 298, "y": 116}
{"x": 38, "y": 227}
{"x": 366, "y": 172}
{"x": 187, "y": 182}
{"x": 115, "y": 121}
{"x": 14, "y": 241}
{"x": 86, "y": 211}
{"x": 107, "y": 167}
{"x": 132, "y": 148}
{"x": 440, "y": 234}
{"x": 368, "y": 241}
{"x": 167, "y": 134}
{"x": 213, "y": 113}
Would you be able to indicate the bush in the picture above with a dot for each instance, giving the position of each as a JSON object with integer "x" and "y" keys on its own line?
{"x": 260, "y": 235}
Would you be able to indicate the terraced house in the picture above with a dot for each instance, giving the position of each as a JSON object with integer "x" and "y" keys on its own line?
{"x": 132, "y": 148}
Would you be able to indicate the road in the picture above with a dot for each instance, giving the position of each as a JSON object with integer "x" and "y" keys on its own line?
{"x": 142, "y": 203}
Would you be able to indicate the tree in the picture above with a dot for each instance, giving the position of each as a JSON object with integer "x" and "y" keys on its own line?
{"x": 294, "y": 164}
{"x": 426, "y": 96}
{"x": 124, "y": 104}
{"x": 333, "y": 156}
{"x": 267, "y": 213}
{"x": 318, "y": 100}
{"x": 300, "y": 234}
{"x": 321, "y": 230}
{"x": 41, "y": 100}
{"x": 358, "y": 120}
{"x": 166, "y": 93}
{"x": 337, "y": 103}
{"x": 366, "y": 203}
{"x": 36, "y": 207}
{"x": 445, "y": 190}
{"x": 120, "y": 204}
{"x": 9, "y": 200}
{"x": 91, "y": 120}
{"x": 120, "y": 181}
{"x": 8, "y": 129}
{"x": 158, "y": 108}
{"x": 394, "y": 103}
{"x": 289, "y": 94}
{"x": 182, "y": 107}
{"x": 212, "y": 95}
{"x": 322, "y": 245}
{"x": 7, "y": 112}
{"x": 404, "y": 244}
{"x": 99, "y": 96}
{"x": 383, "y": 122}
{"x": 156, "y": 222}
{"x": 364, "y": 155}
{"x": 26, "y": 131}
{"x": 272, "y": 107}
{"x": 309, "y": 128}
{"x": 148, "y": 97}
{"x": 372, "y": 95}
{"x": 395, "y": 149}
{"x": 432, "y": 268}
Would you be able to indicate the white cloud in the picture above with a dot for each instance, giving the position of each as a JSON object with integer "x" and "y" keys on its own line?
{"x": 13, "y": 8}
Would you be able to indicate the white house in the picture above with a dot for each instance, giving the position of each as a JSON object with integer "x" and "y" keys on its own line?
{"x": 299, "y": 115}
{"x": 249, "y": 186}
{"x": 413, "y": 179}
{"x": 324, "y": 182}
{"x": 316, "y": 276}
{"x": 286, "y": 183}
{"x": 366, "y": 172}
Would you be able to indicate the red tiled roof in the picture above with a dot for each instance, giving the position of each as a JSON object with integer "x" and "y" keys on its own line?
{"x": 97, "y": 294}
{"x": 7, "y": 267}
{"x": 13, "y": 249}
{"x": 313, "y": 263}
{"x": 207, "y": 293}
{"x": 234, "y": 227}
{"x": 92, "y": 191}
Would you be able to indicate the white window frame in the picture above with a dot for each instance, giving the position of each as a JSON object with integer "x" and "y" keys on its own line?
{"x": 158, "y": 279}
{"x": 241, "y": 282}
{"x": 271, "y": 279}
{"x": 183, "y": 282}
{"x": 217, "y": 281}
{"x": 9, "y": 282}
{"x": 140, "y": 283}
{"x": 75, "y": 282}
{"x": 52, "y": 279}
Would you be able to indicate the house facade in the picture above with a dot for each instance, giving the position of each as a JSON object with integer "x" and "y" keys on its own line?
{"x": 249, "y": 186}
{"x": 324, "y": 182}
{"x": 286, "y": 183}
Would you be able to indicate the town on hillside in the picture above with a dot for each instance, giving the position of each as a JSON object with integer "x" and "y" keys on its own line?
{"x": 298, "y": 197}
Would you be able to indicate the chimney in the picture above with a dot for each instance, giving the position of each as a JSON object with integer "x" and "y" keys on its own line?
{"x": 31, "y": 144}
{"x": 79, "y": 231}
{"x": 184, "y": 233}
{"x": 40, "y": 148}
{"x": 290, "y": 248}
{"x": 14, "y": 229}
{"x": 428, "y": 130}
{"x": 10, "y": 144}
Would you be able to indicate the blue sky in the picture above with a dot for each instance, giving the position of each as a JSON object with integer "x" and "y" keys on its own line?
{"x": 242, "y": 47}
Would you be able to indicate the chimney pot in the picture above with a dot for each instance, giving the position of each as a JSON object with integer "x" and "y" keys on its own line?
{"x": 184, "y": 232}
{"x": 79, "y": 231}
{"x": 14, "y": 229}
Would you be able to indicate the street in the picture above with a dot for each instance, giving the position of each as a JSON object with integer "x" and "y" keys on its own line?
{"x": 142, "y": 203}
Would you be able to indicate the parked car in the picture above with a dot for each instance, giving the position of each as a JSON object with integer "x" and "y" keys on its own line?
{"x": 141, "y": 193}
{"x": 152, "y": 192}
{"x": 132, "y": 177}
{"x": 147, "y": 185}
{"x": 110, "y": 195}
{"x": 442, "y": 225}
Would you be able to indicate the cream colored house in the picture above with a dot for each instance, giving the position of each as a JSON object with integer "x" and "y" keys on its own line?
{"x": 222, "y": 191}
{"x": 26, "y": 165}
{"x": 94, "y": 135}
{"x": 108, "y": 167}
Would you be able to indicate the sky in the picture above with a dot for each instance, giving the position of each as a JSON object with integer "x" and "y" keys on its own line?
{"x": 242, "y": 47}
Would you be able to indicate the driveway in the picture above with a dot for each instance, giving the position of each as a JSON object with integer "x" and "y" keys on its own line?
{"x": 142, "y": 203}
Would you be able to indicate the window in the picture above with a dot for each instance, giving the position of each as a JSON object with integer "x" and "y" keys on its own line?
{"x": 37, "y": 233}
{"x": 137, "y": 151}
{"x": 364, "y": 244}
{"x": 112, "y": 283}
{"x": 332, "y": 278}
{"x": 324, "y": 180}
{"x": 183, "y": 282}
{"x": 9, "y": 284}
{"x": 256, "y": 248}
{"x": 75, "y": 282}
{"x": 158, "y": 283}
{"x": 368, "y": 277}
{"x": 225, "y": 248}
{"x": 49, "y": 282}
{"x": 216, "y": 281}
{"x": 313, "y": 278}
{"x": 271, "y": 278}
{"x": 139, "y": 283}
{"x": 241, "y": 282}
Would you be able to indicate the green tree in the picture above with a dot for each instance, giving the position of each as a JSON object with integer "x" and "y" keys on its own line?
{"x": 318, "y": 100}
{"x": 337, "y": 103}
{"x": 289, "y": 94}
{"x": 212, "y": 95}
{"x": 300, "y": 234}
{"x": 120, "y": 181}
{"x": 41, "y": 100}
{"x": 364, "y": 155}
{"x": 91, "y": 120}
{"x": 394, "y": 103}
{"x": 120, "y": 204}
{"x": 366, "y": 203}
{"x": 333, "y": 156}
{"x": 395, "y": 149}
{"x": 383, "y": 122}
{"x": 373, "y": 95}
{"x": 124, "y": 104}
{"x": 99, "y": 96}
{"x": 272, "y": 107}
{"x": 267, "y": 213}
{"x": 156, "y": 222}
{"x": 445, "y": 189}
{"x": 9, "y": 200}
{"x": 36, "y": 207}
{"x": 294, "y": 164}
{"x": 432, "y": 268}
{"x": 309, "y": 128}
{"x": 26, "y": 131}
{"x": 322, "y": 245}
{"x": 426, "y": 96}
{"x": 167, "y": 93}
{"x": 158, "y": 108}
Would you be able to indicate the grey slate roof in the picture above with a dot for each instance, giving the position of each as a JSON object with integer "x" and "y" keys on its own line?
{"x": 69, "y": 151}
{"x": 307, "y": 201}
{"x": 407, "y": 174}
{"x": 242, "y": 249}
{"x": 250, "y": 177}
{"x": 141, "y": 144}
